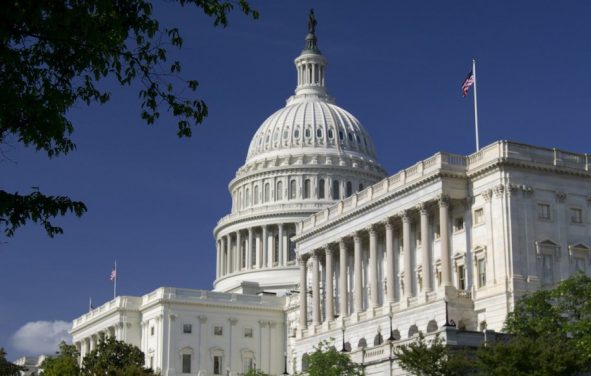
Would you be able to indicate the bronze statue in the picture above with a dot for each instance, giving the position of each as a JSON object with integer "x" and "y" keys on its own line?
{"x": 311, "y": 22}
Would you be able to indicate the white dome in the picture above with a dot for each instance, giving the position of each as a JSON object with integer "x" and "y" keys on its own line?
{"x": 311, "y": 123}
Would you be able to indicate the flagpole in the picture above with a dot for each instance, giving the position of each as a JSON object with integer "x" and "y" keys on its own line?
{"x": 475, "y": 103}
{"x": 115, "y": 282}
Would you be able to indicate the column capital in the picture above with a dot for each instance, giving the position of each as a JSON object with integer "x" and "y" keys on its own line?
{"x": 232, "y": 320}
{"x": 443, "y": 200}
{"x": 388, "y": 223}
{"x": 202, "y": 319}
{"x": 405, "y": 216}
{"x": 315, "y": 254}
{"x": 422, "y": 208}
{"x": 371, "y": 229}
{"x": 342, "y": 243}
{"x": 302, "y": 259}
{"x": 357, "y": 236}
{"x": 328, "y": 251}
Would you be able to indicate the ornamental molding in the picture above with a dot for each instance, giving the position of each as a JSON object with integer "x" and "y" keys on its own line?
{"x": 560, "y": 196}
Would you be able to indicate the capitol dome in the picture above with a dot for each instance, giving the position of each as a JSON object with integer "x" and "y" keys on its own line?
{"x": 302, "y": 159}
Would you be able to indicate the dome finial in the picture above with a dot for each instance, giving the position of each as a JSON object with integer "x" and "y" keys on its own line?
{"x": 311, "y": 22}
{"x": 311, "y": 45}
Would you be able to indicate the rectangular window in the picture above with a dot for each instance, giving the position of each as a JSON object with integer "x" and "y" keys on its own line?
{"x": 247, "y": 332}
{"x": 187, "y": 328}
{"x": 576, "y": 215}
{"x": 461, "y": 277}
{"x": 186, "y": 363}
{"x": 218, "y": 331}
{"x": 481, "y": 265}
{"x": 478, "y": 216}
{"x": 543, "y": 211}
{"x": 459, "y": 224}
{"x": 217, "y": 365}
{"x": 547, "y": 270}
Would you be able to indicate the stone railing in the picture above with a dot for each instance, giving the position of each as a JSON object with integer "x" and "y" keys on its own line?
{"x": 498, "y": 151}
{"x": 120, "y": 302}
{"x": 188, "y": 295}
{"x": 271, "y": 208}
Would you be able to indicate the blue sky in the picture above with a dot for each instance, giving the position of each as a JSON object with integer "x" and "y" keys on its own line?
{"x": 154, "y": 199}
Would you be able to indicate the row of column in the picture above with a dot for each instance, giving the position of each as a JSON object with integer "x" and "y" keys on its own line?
{"x": 373, "y": 265}
{"x": 88, "y": 344}
{"x": 259, "y": 249}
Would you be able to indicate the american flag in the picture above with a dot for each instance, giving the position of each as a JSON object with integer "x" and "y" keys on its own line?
{"x": 113, "y": 273}
{"x": 469, "y": 81}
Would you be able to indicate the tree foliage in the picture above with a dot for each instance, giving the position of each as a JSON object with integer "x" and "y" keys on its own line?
{"x": 7, "y": 368}
{"x": 54, "y": 55}
{"x": 115, "y": 358}
{"x": 65, "y": 363}
{"x": 550, "y": 334}
{"x": 432, "y": 358}
{"x": 255, "y": 372}
{"x": 325, "y": 360}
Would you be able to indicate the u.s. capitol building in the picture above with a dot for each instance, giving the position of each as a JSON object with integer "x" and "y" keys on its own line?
{"x": 322, "y": 245}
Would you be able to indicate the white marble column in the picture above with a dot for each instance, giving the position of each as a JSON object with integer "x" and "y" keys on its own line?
{"x": 329, "y": 290}
{"x": 282, "y": 260}
{"x": 444, "y": 241}
{"x": 303, "y": 293}
{"x": 270, "y": 247}
{"x": 257, "y": 250}
{"x": 390, "y": 261}
{"x": 343, "y": 290}
{"x": 358, "y": 297}
{"x": 217, "y": 260}
{"x": 373, "y": 267}
{"x": 238, "y": 251}
{"x": 425, "y": 248}
{"x": 315, "y": 288}
{"x": 264, "y": 245}
{"x": 229, "y": 254}
{"x": 249, "y": 250}
{"x": 407, "y": 256}
{"x": 222, "y": 257}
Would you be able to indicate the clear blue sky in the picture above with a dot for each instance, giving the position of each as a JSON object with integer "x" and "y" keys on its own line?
{"x": 154, "y": 199}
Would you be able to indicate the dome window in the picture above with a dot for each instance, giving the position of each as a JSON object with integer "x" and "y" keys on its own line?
{"x": 350, "y": 136}
{"x": 279, "y": 191}
{"x": 292, "y": 189}
{"x": 255, "y": 198}
{"x": 321, "y": 188}
{"x": 296, "y": 134}
{"x": 341, "y": 135}
{"x": 358, "y": 139}
{"x": 336, "y": 192}
{"x": 330, "y": 134}
{"x": 307, "y": 133}
{"x": 319, "y": 133}
{"x": 349, "y": 189}
{"x": 285, "y": 134}
{"x": 276, "y": 136}
{"x": 307, "y": 188}
{"x": 360, "y": 186}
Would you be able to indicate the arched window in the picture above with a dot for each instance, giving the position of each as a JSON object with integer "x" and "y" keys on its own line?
{"x": 412, "y": 331}
{"x": 349, "y": 189}
{"x": 304, "y": 362}
{"x": 307, "y": 188}
{"x": 266, "y": 193}
{"x": 247, "y": 197}
{"x": 362, "y": 343}
{"x": 292, "y": 189}
{"x": 279, "y": 191}
{"x": 378, "y": 339}
{"x": 361, "y": 186}
{"x": 308, "y": 133}
{"x": 330, "y": 134}
{"x": 432, "y": 326}
{"x": 321, "y": 188}
{"x": 336, "y": 192}
{"x": 255, "y": 199}
{"x": 319, "y": 133}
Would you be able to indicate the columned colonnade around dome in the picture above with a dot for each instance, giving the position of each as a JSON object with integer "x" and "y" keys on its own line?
{"x": 258, "y": 247}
